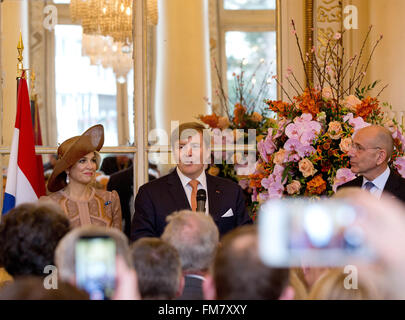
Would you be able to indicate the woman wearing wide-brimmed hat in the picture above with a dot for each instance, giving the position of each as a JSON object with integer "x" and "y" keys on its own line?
{"x": 71, "y": 182}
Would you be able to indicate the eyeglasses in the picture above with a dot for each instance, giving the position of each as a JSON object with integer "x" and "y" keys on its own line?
{"x": 358, "y": 147}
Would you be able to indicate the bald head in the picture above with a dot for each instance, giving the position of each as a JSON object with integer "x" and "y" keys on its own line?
{"x": 378, "y": 136}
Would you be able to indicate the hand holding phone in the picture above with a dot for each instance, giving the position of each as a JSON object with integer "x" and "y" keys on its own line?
{"x": 296, "y": 232}
{"x": 96, "y": 266}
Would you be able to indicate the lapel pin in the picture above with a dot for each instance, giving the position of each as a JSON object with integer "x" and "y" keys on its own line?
{"x": 217, "y": 191}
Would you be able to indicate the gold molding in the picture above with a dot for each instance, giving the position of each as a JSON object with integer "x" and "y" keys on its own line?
{"x": 279, "y": 57}
{"x": 309, "y": 35}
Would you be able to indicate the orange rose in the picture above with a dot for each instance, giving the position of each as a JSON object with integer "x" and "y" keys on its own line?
{"x": 306, "y": 168}
{"x": 346, "y": 144}
{"x": 294, "y": 187}
{"x": 351, "y": 102}
{"x": 279, "y": 157}
{"x": 335, "y": 130}
{"x": 327, "y": 93}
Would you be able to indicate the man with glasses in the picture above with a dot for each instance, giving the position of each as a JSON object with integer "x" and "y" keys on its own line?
{"x": 369, "y": 156}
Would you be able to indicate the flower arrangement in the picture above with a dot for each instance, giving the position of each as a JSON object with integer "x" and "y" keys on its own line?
{"x": 306, "y": 150}
{"x": 243, "y": 113}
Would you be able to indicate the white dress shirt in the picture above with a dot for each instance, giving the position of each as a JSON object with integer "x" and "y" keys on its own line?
{"x": 202, "y": 184}
{"x": 379, "y": 183}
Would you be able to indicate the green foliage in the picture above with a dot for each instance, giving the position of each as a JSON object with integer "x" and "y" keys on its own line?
{"x": 362, "y": 92}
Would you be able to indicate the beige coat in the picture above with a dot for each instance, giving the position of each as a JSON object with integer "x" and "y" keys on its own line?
{"x": 102, "y": 209}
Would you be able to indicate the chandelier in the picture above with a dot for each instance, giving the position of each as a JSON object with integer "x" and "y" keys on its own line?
{"x": 109, "y": 17}
{"x": 106, "y": 52}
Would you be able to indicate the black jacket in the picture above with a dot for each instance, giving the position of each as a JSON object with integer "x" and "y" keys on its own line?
{"x": 159, "y": 198}
{"x": 395, "y": 185}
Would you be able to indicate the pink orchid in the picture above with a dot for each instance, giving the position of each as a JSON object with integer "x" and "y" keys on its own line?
{"x": 304, "y": 117}
{"x": 266, "y": 146}
{"x": 278, "y": 171}
{"x": 292, "y": 132}
{"x": 343, "y": 175}
{"x": 292, "y": 144}
{"x": 293, "y": 157}
{"x": 305, "y": 151}
{"x": 262, "y": 150}
{"x": 398, "y": 135}
{"x": 307, "y": 138}
{"x": 357, "y": 123}
{"x": 276, "y": 191}
{"x": 266, "y": 182}
{"x": 399, "y": 164}
{"x": 247, "y": 168}
{"x": 254, "y": 195}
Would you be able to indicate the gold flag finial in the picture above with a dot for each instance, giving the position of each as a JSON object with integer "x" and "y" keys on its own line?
{"x": 20, "y": 49}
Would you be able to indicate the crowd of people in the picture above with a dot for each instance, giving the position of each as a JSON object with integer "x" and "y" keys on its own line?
{"x": 170, "y": 250}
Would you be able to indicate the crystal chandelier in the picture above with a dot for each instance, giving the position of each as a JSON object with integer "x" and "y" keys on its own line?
{"x": 109, "y": 17}
{"x": 109, "y": 54}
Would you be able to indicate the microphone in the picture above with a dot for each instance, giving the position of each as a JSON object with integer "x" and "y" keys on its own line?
{"x": 201, "y": 199}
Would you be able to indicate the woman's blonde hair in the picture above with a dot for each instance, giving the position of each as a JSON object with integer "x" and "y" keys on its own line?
{"x": 331, "y": 286}
{"x": 297, "y": 281}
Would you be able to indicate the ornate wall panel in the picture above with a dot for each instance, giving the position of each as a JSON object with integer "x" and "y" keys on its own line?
{"x": 37, "y": 51}
{"x": 327, "y": 22}
{"x": 214, "y": 51}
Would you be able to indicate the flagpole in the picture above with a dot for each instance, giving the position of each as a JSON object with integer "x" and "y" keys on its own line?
{"x": 20, "y": 72}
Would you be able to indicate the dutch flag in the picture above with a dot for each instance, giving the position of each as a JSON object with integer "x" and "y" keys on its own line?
{"x": 23, "y": 182}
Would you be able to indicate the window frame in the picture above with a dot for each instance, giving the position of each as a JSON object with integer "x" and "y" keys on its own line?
{"x": 247, "y": 21}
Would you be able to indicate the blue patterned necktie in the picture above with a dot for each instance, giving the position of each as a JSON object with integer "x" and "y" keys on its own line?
{"x": 368, "y": 185}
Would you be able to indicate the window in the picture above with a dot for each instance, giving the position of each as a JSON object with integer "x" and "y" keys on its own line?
{"x": 255, "y": 52}
{"x": 248, "y": 42}
{"x": 85, "y": 94}
{"x": 130, "y": 88}
{"x": 249, "y": 4}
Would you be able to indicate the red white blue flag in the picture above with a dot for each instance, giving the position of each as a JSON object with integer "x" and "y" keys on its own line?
{"x": 23, "y": 182}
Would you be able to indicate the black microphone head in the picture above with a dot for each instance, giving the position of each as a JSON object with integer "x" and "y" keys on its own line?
{"x": 201, "y": 195}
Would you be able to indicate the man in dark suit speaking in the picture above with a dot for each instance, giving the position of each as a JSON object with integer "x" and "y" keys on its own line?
{"x": 371, "y": 151}
{"x": 177, "y": 190}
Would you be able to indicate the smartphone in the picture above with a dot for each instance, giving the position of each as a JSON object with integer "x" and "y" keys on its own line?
{"x": 95, "y": 259}
{"x": 297, "y": 232}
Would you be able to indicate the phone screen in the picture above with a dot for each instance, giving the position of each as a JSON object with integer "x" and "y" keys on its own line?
{"x": 95, "y": 266}
{"x": 296, "y": 232}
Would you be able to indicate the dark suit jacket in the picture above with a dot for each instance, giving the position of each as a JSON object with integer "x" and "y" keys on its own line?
{"x": 122, "y": 182}
{"x": 159, "y": 198}
{"x": 110, "y": 165}
{"x": 192, "y": 289}
{"x": 395, "y": 185}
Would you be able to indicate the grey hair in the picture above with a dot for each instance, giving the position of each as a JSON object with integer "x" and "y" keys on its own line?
{"x": 65, "y": 251}
{"x": 195, "y": 236}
